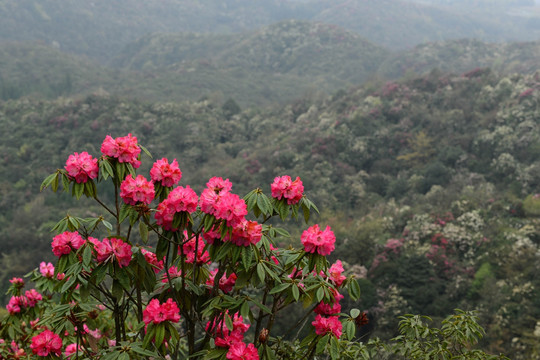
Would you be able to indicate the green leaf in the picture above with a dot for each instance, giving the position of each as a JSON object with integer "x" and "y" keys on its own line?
{"x": 145, "y": 150}
{"x": 214, "y": 354}
{"x": 350, "y": 329}
{"x": 264, "y": 308}
{"x": 65, "y": 182}
{"x": 295, "y": 292}
{"x": 48, "y": 180}
{"x": 321, "y": 344}
{"x": 87, "y": 255}
{"x": 54, "y": 183}
{"x": 355, "y": 313}
{"x": 354, "y": 289}
{"x": 143, "y": 230}
{"x": 279, "y": 288}
{"x": 244, "y": 310}
{"x": 108, "y": 169}
{"x": 123, "y": 356}
{"x": 77, "y": 190}
{"x": 260, "y": 271}
{"x": 247, "y": 256}
{"x": 320, "y": 294}
{"x": 160, "y": 334}
{"x": 107, "y": 224}
{"x": 68, "y": 284}
{"x": 334, "y": 348}
{"x": 228, "y": 322}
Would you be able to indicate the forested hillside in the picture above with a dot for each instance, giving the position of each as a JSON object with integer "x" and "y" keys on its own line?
{"x": 429, "y": 183}
{"x": 101, "y": 29}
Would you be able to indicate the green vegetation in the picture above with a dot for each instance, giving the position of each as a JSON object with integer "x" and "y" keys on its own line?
{"x": 426, "y": 234}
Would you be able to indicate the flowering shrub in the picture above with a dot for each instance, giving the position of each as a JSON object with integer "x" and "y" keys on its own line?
{"x": 202, "y": 276}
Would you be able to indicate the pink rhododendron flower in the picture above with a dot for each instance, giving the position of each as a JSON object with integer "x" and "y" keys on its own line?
{"x": 72, "y": 349}
{"x": 230, "y": 207}
{"x": 17, "y": 352}
{"x": 225, "y": 337}
{"x": 17, "y": 282}
{"x": 317, "y": 241}
{"x": 325, "y": 325}
{"x": 330, "y": 309}
{"x": 166, "y": 174}
{"x": 137, "y": 190}
{"x": 32, "y": 297}
{"x": 178, "y": 200}
{"x": 210, "y": 236}
{"x": 245, "y": 233}
{"x": 335, "y": 272}
{"x": 124, "y": 149}
{"x": 218, "y": 201}
{"x": 174, "y": 272}
{"x": 189, "y": 251}
{"x": 46, "y": 269}
{"x": 63, "y": 243}
{"x": 82, "y": 167}
{"x": 226, "y": 284}
{"x": 151, "y": 258}
{"x": 218, "y": 185}
{"x": 15, "y": 303}
{"x": 110, "y": 249}
{"x": 241, "y": 351}
{"x": 284, "y": 187}
{"x": 46, "y": 343}
{"x": 157, "y": 313}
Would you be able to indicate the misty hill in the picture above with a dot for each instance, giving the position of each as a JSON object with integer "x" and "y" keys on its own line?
{"x": 461, "y": 56}
{"x": 314, "y": 52}
{"x": 101, "y": 29}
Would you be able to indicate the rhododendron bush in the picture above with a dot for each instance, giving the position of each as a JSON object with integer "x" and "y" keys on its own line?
{"x": 166, "y": 272}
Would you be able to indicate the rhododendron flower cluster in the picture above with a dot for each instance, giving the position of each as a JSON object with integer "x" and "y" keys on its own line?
{"x": 17, "y": 282}
{"x": 241, "y": 351}
{"x": 325, "y": 325}
{"x": 226, "y": 283}
{"x": 164, "y": 173}
{"x": 46, "y": 269}
{"x": 225, "y": 337}
{"x": 180, "y": 199}
{"x": 16, "y": 351}
{"x": 284, "y": 187}
{"x": 151, "y": 258}
{"x": 335, "y": 273}
{"x": 157, "y": 313}
{"x": 72, "y": 349}
{"x": 216, "y": 200}
{"x": 15, "y": 303}
{"x": 63, "y": 243}
{"x": 330, "y": 309}
{"x": 82, "y": 167}
{"x": 317, "y": 241}
{"x": 137, "y": 190}
{"x": 32, "y": 297}
{"x": 174, "y": 272}
{"x": 111, "y": 249}
{"x": 189, "y": 251}
{"x": 124, "y": 149}
{"x": 246, "y": 233}
{"x": 46, "y": 343}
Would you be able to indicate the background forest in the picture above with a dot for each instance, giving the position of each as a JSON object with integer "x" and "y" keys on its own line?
{"x": 415, "y": 126}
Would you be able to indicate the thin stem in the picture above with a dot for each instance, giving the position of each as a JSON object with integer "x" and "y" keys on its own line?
{"x": 106, "y": 207}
